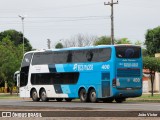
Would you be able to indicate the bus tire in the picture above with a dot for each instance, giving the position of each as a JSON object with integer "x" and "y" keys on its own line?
{"x": 92, "y": 96}
{"x": 83, "y": 95}
{"x": 59, "y": 99}
{"x": 34, "y": 95}
{"x": 43, "y": 95}
{"x": 68, "y": 99}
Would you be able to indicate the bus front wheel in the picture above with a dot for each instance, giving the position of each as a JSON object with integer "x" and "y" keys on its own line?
{"x": 83, "y": 95}
{"x": 43, "y": 95}
{"x": 34, "y": 95}
{"x": 92, "y": 96}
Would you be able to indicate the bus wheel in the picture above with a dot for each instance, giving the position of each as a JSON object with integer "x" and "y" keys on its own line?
{"x": 43, "y": 95}
{"x": 119, "y": 100}
{"x": 92, "y": 96}
{"x": 68, "y": 99}
{"x": 34, "y": 95}
{"x": 59, "y": 99}
{"x": 83, "y": 95}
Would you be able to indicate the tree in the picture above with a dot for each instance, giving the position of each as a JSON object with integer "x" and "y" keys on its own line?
{"x": 153, "y": 65}
{"x": 59, "y": 45}
{"x": 104, "y": 40}
{"x": 79, "y": 40}
{"x": 152, "y": 41}
{"x": 138, "y": 42}
{"x": 144, "y": 53}
{"x": 10, "y": 60}
{"x": 16, "y": 38}
{"x": 123, "y": 41}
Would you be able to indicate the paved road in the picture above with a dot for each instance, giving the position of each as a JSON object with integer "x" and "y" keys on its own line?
{"x": 78, "y": 105}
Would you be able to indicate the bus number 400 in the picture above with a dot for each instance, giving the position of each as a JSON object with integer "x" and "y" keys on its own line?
{"x": 105, "y": 67}
{"x": 136, "y": 80}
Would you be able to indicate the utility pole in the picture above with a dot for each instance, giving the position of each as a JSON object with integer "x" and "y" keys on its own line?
{"x": 112, "y": 19}
{"x": 48, "y": 43}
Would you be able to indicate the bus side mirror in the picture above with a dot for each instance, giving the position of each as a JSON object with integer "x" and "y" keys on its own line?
{"x": 18, "y": 80}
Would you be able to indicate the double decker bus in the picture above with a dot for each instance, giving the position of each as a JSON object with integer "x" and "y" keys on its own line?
{"x": 99, "y": 73}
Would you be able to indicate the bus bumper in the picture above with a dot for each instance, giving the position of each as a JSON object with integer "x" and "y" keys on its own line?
{"x": 127, "y": 93}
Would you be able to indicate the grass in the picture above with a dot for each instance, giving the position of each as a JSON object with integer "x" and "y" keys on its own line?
{"x": 145, "y": 98}
{"x": 148, "y": 96}
{"x": 8, "y": 96}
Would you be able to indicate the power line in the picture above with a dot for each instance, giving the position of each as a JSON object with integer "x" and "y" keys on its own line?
{"x": 68, "y": 20}
{"x": 44, "y": 17}
{"x": 68, "y": 17}
{"x": 61, "y": 19}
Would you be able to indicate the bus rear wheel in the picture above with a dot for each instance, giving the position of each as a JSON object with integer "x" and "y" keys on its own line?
{"x": 83, "y": 95}
{"x": 34, "y": 95}
{"x": 92, "y": 96}
{"x": 43, "y": 95}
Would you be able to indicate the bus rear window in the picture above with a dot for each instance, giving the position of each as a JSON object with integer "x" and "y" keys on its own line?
{"x": 128, "y": 51}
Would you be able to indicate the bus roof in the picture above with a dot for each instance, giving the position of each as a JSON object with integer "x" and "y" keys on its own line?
{"x": 80, "y": 48}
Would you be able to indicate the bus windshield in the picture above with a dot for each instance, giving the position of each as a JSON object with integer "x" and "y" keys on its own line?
{"x": 128, "y": 51}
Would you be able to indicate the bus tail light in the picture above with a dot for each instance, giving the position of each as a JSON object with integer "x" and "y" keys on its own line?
{"x": 114, "y": 82}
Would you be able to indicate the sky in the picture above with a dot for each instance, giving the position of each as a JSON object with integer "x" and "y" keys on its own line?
{"x": 58, "y": 20}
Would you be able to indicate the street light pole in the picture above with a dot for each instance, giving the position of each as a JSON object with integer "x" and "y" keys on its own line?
{"x": 49, "y": 43}
{"x": 22, "y": 18}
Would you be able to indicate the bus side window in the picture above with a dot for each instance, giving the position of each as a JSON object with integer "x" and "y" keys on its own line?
{"x": 69, "y": 57}
{"x": 89, "y": 56}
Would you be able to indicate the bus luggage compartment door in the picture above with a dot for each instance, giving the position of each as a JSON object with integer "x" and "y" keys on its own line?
{"x": 106, "y": 84}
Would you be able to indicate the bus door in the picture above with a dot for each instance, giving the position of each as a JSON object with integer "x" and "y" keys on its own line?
{"x": 24, "y": 74}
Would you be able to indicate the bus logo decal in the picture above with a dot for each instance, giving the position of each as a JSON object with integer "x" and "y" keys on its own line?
{"x": 77, "y": 67}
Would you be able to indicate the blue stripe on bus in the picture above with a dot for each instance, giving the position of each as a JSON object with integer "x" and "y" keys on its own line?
{"x": 60, "y": 68}
{"x": 66, "y": 89}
